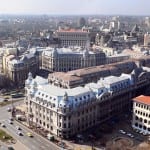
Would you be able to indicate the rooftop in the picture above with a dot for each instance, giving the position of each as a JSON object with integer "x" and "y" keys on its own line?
{"x": 142, "y": 99}
{"x": 71, "y": 30}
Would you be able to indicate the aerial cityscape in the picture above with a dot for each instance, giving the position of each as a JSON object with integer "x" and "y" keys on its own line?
{"x": 75, "y": 75}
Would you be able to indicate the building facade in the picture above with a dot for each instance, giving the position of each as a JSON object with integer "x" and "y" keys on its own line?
{"x": 16, "y": 69}
{"x": 72, "y": 37}
{"x": 147, "y": 39}
{"x": 141, "y": 114}
{"x": 83, "y": 76}
{"x": 66, "y": 112}
{"x": 66, "y": 59}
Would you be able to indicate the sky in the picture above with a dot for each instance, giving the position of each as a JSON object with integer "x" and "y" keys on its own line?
{"x": 76, "y": 7}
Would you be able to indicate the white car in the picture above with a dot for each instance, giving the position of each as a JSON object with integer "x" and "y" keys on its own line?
{"x": 3, "y": 125}
{"x": 141, "y": 132}
{"x": 18, "y": 128}
{"x": 8, "y": 109}
{"x": 121, "y": 131}
{"x": 136, "y": 130}
{"x": 144, "y": 133}
{"x": 130, "y": 135}
{"x": 10, "y": 122}
{"x": 20, "y": 134}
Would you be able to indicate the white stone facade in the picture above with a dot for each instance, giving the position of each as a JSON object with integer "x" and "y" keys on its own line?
{"x": 65, "y": 112}
{"x": 141, "y": 114}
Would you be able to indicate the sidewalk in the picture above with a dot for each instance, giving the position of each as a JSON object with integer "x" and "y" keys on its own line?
{"x": 19, "y": 146}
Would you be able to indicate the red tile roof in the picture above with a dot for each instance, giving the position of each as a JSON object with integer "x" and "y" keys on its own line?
{"x": 142, "y": 99}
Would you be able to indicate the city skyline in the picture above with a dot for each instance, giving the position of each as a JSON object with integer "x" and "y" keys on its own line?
{"x": 85, "y": 7}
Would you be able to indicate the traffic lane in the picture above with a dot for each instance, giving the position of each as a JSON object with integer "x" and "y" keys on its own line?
{"x": 4, "y": 114}
{"x": 31, "y": 143}
{"x": 42, "y": 142}
{"x": 35, "y": 143}
{"x": 39, "y": 142}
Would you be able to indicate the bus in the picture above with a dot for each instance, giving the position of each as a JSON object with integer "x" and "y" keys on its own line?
{"x": 17, "y": 95}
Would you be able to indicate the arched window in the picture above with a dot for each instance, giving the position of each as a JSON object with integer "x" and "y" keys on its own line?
{"x": 136, "y": 118}
{"x": 141, "y": 119}
{"x": 145, "y": 121}
{"x": 136, "y": 124}
{"x": 144, "y": 128}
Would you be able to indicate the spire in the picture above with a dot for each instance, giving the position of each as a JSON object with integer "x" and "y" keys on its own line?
{"x": 65, "y": 98}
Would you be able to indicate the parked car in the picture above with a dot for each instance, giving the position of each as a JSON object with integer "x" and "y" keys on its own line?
{"x": 10, "y": 122}
{"x": 122, "y": 131}
{"x": 11, "y": 119}
{"x": 8, "y": 109}
{"x": 3, "y": 125}
{"x": 18, "y": 128}
{"x": 20, "y": 134}
{"x": 10, "y": 148}
{"x": 29, "y": 134}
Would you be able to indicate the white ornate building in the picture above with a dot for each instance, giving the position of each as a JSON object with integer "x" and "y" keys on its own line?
{"x": 66, "y": 112}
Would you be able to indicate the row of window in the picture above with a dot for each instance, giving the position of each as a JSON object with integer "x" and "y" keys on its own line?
{"x": 142, "y": 113}
{"x": 142, "y": 106}
{"x": 44, "y": 124}
{"x": 141, "y": 127}
{"x": 142, "y": 120}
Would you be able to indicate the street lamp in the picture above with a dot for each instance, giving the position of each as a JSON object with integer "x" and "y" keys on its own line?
{"x": 12, "y": 108}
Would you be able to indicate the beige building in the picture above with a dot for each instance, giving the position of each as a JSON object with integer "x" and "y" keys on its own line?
{"x": 66, "y": 59}
{"x": 93, "y": 74}
{"x": 141, "y": 114}
{"x": 73, "y": 37}
{"x": 147, "y": 39}
{"x": 16, "y": 69}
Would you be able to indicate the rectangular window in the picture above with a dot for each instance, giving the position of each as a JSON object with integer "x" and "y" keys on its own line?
{"x": 64, "y": 125}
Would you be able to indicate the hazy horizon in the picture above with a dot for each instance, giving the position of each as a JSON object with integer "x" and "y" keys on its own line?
{"x": 78, "y": 7}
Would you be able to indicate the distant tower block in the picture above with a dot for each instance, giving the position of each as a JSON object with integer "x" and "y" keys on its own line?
{"x": 147, "y": 39}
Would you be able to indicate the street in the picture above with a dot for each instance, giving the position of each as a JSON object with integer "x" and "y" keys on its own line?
{"x": 33, "y": 143}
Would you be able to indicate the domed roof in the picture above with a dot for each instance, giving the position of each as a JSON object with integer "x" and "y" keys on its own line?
{"x": 64, "y": 101}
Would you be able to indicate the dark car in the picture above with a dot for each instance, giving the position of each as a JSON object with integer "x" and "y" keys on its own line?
{"x": 11, "y": 148}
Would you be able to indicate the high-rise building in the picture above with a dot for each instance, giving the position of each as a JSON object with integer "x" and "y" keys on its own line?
{"x": 147, "y": 39}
